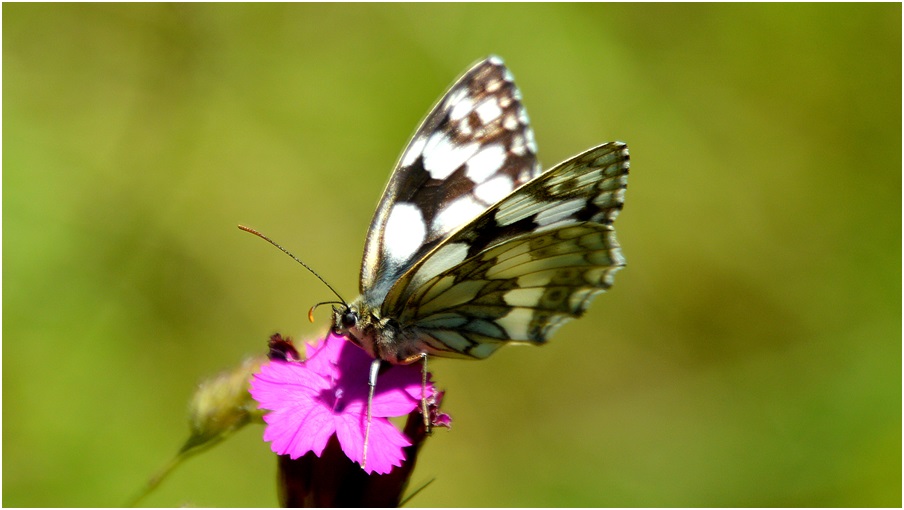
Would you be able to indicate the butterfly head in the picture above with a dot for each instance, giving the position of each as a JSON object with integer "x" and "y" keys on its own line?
{"x": 349, "y": 322}
{"x": 345, "y": 317}
{"x": 378, "y": 336}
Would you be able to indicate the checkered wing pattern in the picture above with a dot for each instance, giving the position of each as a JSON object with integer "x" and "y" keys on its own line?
{"x": 525, "y": 266}
{"x": 472, "y": 246}
{"x": 472, "y": 149}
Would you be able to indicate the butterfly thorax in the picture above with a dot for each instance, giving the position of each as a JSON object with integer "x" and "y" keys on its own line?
{"x": 382, "y": 337}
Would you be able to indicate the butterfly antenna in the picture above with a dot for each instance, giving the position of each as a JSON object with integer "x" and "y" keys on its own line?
{"x": 311, "y": 311}
{"x": 287, "y": 252}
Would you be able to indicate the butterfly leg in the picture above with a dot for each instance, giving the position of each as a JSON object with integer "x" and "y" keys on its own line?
{"x": 426, "y": 414}
{"x": 371, "y": 385}
{"x": 424, "y": 409}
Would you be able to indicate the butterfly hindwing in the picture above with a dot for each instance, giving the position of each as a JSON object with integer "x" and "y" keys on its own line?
{"x": 522, "y": 268}
{"x": 472, "y": 149}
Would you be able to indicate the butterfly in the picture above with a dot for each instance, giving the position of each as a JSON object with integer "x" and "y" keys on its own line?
{"x": 472, "y": 245}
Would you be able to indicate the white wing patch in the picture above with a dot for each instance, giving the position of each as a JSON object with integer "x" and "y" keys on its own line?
{"x": 454, "y": 214}
{"x": 493, "y": 190}
{"x": 444, "y": 259}
{"x": 486, "y": 163}
{"x": 559, "y": 211}
{"x": 488, "y": 110}
{"x": 528, "y": 297}
{"x": 404, "y": 232}
{"x": 442, "y": 156}
{"x": 516, "y": 322}
{"x": 414, "y": 151}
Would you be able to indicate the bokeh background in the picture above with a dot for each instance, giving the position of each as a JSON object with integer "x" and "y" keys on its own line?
{"x": 750, "y": 353}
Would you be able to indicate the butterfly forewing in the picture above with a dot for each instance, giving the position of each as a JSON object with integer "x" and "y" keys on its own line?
{"x": 523, "y": 267}
{"x": 471, "y": 150}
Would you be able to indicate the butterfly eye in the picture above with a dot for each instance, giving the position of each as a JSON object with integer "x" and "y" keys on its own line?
{"x": 349, "y": 318}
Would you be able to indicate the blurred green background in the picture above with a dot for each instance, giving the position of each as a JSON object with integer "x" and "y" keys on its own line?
{"x": 749, "y": 355}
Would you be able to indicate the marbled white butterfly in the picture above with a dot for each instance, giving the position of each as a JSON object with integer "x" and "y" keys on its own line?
{"x": 473, "y": 246}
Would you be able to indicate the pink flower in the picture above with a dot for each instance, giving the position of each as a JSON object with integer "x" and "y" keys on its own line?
{"x": 326, "y": 395}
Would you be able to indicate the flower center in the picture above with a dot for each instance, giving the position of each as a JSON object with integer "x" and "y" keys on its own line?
{"x": 337, "y": 400}
{"x": 334, "y": 398}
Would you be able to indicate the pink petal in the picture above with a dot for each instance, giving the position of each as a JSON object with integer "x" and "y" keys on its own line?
{"x": 323, "y": 355}
{"x": 278, "y": 381}
{"x": 399, "y": 391}
{"x": 384, "y": 445}
{"x": 390, "y": 402}
{"x": 299, "y": 421}
{"x": 295, "y": 432}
